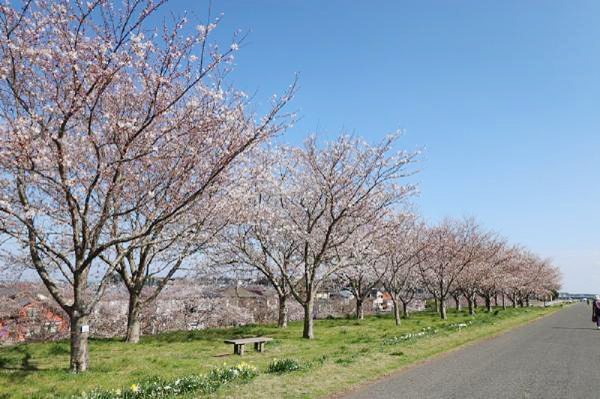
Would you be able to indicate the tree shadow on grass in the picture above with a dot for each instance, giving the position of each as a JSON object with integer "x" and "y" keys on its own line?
{"x": 19, "y": 370}
{"x": 24, "y": 365}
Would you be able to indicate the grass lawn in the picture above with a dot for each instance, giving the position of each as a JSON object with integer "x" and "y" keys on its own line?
{"x": 344, "y": 353}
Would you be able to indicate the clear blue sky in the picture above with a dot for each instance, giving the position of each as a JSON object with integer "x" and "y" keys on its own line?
{"x": 504, "y": 96}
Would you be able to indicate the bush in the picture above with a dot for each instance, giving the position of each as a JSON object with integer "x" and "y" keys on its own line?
{"x": 284, "y": 365}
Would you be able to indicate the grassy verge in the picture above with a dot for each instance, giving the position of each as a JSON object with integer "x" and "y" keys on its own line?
{"x": 343, "y": 352}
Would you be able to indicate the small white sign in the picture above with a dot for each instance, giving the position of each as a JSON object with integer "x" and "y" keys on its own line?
{"x": 85, "y": 328}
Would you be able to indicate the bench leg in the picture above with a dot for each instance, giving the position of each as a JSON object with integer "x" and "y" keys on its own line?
{"x": 238, "y": 349}
{"x": 259, "y": 346}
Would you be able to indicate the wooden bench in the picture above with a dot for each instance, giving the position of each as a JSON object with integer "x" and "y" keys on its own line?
{"x": 238, "y": 344}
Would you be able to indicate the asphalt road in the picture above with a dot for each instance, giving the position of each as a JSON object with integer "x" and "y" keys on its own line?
{"x": 555, "y": 357}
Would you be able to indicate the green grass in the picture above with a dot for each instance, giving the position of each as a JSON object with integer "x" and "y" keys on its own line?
{"x": 343, "y": 352}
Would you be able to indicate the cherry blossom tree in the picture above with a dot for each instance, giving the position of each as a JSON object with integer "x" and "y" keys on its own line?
{"x": 360, "y": 274}
{"x": 399, "y": 269}
{"x": 159, "y": 256}
{"x": 327, "y": 195}
{"x": 451, "y": 247}
{"x": 497, "y": 254}
{"x": 257, "y": 239}
{"x": 538, "y": 278}
{"x": 103, "y": 116}
{"x": 469, "y": 282}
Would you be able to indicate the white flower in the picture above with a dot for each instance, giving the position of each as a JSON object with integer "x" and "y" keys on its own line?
{"x": 235, "y": 47}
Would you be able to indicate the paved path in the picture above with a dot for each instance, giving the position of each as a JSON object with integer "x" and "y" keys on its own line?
{"x": 555, "y": 357}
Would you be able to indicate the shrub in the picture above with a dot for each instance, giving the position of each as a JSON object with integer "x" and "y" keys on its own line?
{"x": 284, "y": 365}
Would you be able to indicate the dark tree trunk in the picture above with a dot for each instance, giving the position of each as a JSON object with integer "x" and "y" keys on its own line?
{"x": 397, "y": 313}
{"x": 472, "y": 305}
{"x": 405, "y": 309}
{"x": 488, "y": 303}
{"x": 308, "y": 320}
{"x": 79, "y": 343}
{"x": 443, "y": 314}
{"x": 457, "y": 301}
{"x": 282, "y": 320}
{"x": 496, "y": 300}
{"x": 527, "y": 301}
{"x": 360, "y": 314}
{"x": 133, "y": 318}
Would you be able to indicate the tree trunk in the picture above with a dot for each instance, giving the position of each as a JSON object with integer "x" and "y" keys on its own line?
{"x": 133, "y": 319}
{"x": 527, "y": 301}
{"x": 282, "y": 320}
{"x": 457, "y": 301}
{"x": 488, "y": 303}
{"x": 472, "y": 304}
{"x": 405, "y": 309}
{"x": 443, "y": 314}
{"x": 79, "y": 343}
{"x": 308, "y": 320}
{"x": 360, "y": 313}
{"x": 514, "y": 301}
{"x": 397, "y": 313}
{"x": 503, "y": 302}
{"x": 496, "y": 300}
{"x": 475, "y": 301}
{"x": 437, "y": 308}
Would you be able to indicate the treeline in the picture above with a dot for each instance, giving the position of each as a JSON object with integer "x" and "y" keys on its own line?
{"x": 124, "y": 151}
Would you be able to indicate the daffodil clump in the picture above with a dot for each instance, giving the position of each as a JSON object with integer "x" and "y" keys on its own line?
{"x": 160, "y": 388}
{"x": 243, "y": 371}
{"x": 284, "y": 365}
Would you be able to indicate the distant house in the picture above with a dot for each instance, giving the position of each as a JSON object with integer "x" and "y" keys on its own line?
{"x": 27, "y": 315}
{"x": 322, "y": 295}
{"x": 387, "y": 304}
{"x": 382, "y": 302}
{"x": 345, "y": 296}
{"x": 377, "y": 297}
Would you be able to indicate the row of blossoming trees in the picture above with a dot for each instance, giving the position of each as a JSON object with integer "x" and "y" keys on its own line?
{"x": 336, "y": 213}
{"x": 123, "y": 152}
